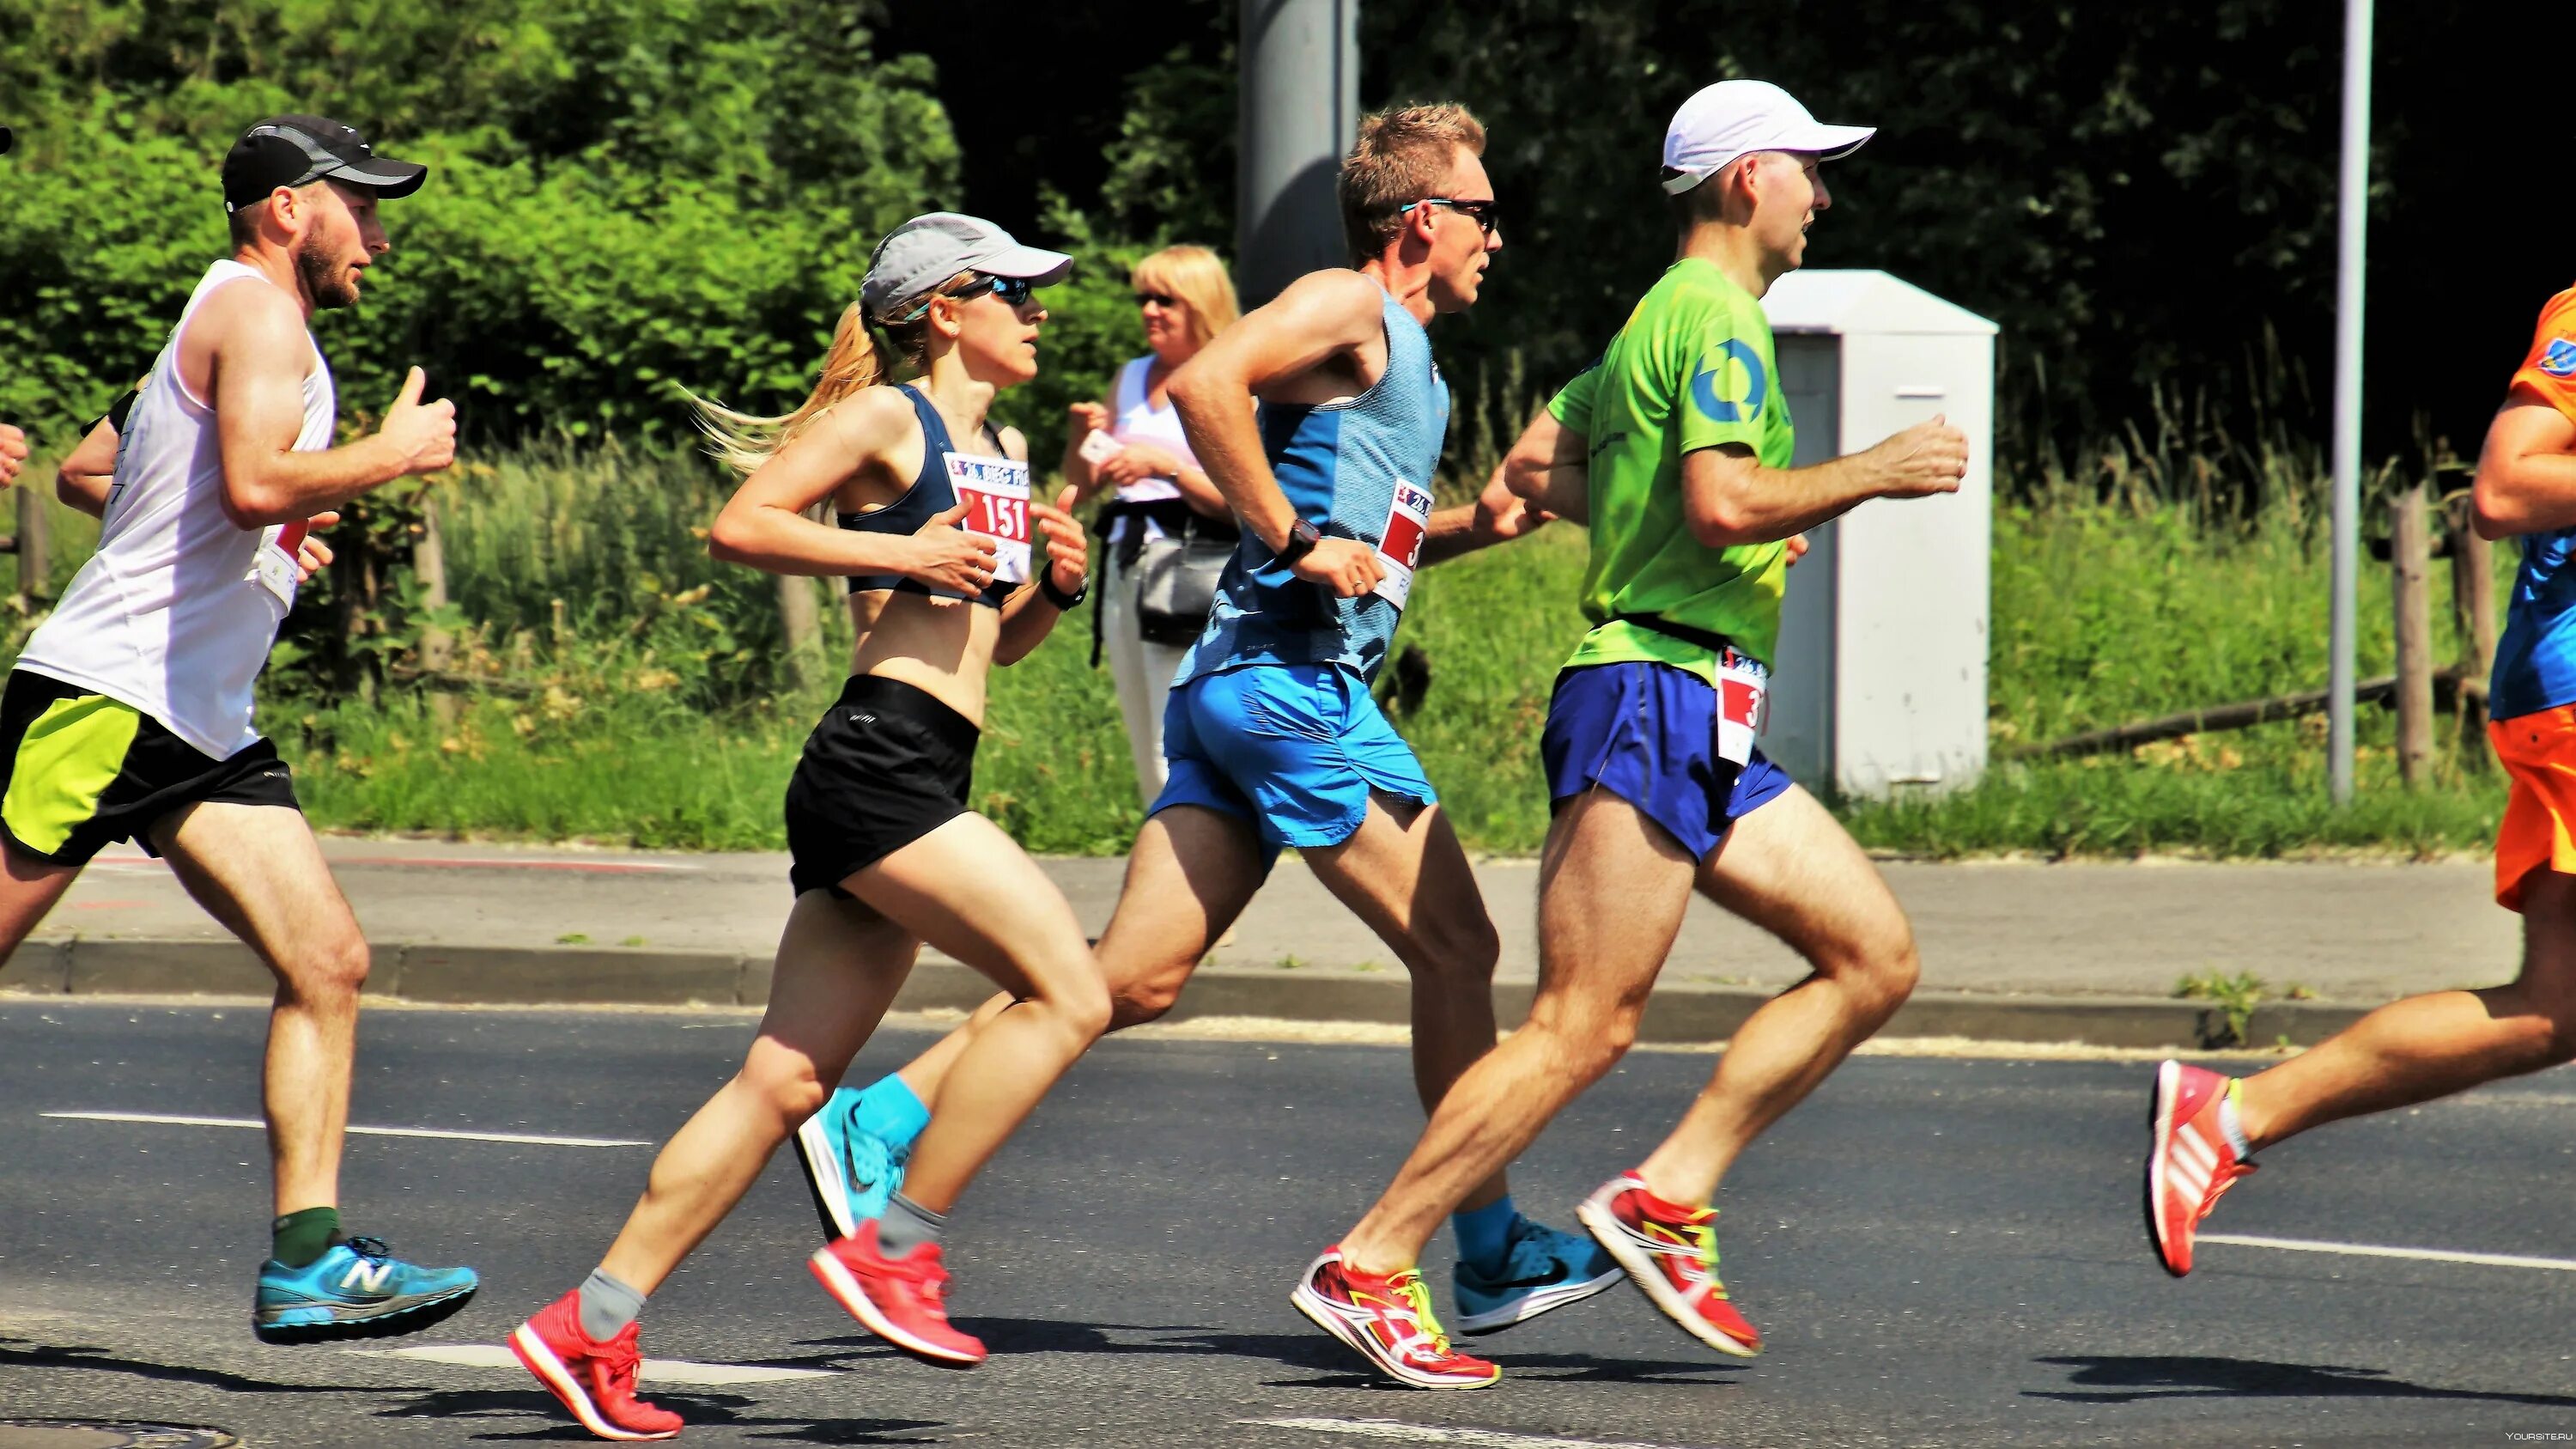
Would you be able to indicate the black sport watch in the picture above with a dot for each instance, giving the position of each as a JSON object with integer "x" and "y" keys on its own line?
{"x": 1064, "y": 602}
{"x": 1302, "y": 539}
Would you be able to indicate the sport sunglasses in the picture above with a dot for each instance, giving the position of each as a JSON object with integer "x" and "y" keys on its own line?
{"x": 1487, "y": 212}
{"x": 1012, "y": 290}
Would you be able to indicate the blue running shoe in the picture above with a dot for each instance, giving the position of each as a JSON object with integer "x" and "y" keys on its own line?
{"x": 850, "y": 1170}
{"x": 1543, "y": 1269}
{"x": 358, "y": 1289}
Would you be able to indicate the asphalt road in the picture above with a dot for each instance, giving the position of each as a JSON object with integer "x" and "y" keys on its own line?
{"x": 1941, "y": 1252}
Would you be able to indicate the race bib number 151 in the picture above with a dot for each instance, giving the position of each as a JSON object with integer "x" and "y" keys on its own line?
{"x": 996, "y": 494}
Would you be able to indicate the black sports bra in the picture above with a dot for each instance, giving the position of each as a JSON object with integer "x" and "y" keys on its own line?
{"x": 933, "y": 493}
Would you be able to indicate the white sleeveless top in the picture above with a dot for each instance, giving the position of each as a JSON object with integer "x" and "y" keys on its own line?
{"x": 176, "y": 612}
{"x": 1135, "y": 420}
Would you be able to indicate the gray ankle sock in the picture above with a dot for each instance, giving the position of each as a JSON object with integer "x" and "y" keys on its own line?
{"x": 607, "y": 1306}
{"x": 906, "y": 1226}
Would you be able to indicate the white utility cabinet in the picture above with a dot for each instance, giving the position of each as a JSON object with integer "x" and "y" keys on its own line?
{"x": 1881, "y": 679}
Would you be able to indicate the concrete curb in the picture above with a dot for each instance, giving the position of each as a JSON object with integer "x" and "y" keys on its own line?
{"x": 597, "y": 976}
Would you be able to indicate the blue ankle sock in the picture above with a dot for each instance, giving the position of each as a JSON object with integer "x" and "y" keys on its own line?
{"x": 890, "y": 1109}
{"x": 1485, "y": 1234}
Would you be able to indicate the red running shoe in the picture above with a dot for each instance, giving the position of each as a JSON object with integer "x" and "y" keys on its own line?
{"x": 595, "y": 1380}
{"x": 1670, "y": 1253}
{"x": 2191, "y": 1164}
{"x": 1389, "y": 1321}
{"x": 899, "y": 1299}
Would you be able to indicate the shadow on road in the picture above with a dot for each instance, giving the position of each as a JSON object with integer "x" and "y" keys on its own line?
{"x": 19, "y": 1352}
{"x": 2129, "y": 1380}
{"x": 701, "y": 1410}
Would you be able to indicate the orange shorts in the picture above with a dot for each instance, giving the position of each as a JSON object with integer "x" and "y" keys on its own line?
{"x": 2539, "y": 755}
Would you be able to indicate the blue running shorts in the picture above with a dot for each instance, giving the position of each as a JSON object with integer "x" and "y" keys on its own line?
{"x": 1643, "y": 733}
{"x": 1293, "y": 748}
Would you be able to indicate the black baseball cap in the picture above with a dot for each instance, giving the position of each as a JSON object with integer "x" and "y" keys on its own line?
{"x": 292, "y": 150}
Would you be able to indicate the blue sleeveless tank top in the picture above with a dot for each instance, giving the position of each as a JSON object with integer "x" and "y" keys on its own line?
{"x": 930, "y": 494}
{"x": 1352, "y": 469}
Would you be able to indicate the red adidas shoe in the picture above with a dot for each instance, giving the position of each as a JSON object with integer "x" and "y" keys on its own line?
{"x": 2191, "y": 1164}
{"x": 899, "y": 1299}
{"x": 1670, "y": 1252}
{"x": 595, "y": 1380}
{"x": 1389, "y": 1321}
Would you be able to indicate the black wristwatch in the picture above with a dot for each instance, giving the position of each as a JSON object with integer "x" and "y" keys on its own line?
{"x": 1063, "y": 601}
{"x": 1302, "y": 539}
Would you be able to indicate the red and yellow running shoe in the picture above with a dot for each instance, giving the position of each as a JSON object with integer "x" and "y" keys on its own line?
{"x": 595, "y": 1380}
{"x": 1670, "y": 1252}
{"x": 1389, "y": 1321}
{"x": 2191, "y": 1164}
{"x": 901, "y": 1300}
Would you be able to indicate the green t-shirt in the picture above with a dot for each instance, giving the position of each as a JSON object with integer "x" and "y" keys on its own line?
{"x": 1692, "y": 369}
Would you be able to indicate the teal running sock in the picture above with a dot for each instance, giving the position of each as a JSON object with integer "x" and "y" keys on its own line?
{"x": 1485, "y": 1235}
{"x": 299, "y": 1239}
{"x": 890, "y": 1111}
{"x": 607, "y": 1306}
{"x": 907, "y": 1225}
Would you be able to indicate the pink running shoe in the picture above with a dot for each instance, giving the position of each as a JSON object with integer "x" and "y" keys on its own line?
{"x": 2191, "y": 1164}
{"x": 595, "y": 1380}
{"x": 901, "y": 1300}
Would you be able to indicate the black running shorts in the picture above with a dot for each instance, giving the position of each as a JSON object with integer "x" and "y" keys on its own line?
{"x": 888, "y": 765}
{"x": 83, "y": 770}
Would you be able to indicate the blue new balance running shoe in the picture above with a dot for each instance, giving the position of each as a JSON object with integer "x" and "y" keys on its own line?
{"x": 1543, "y": 1269}
{"x": 358, "y": 1289}
{"x": 851, "y": 1170}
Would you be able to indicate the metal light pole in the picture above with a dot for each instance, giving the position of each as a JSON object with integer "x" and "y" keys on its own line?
{"x": 2352, "y": 225}
{"x": 1300, "y": 101}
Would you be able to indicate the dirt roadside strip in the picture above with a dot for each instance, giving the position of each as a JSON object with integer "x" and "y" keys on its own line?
{"x": 594, "y": 976}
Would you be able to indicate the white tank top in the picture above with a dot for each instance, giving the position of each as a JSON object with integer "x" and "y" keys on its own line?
{"x": 1134, "y": 419}
{"x": 176, "y": 612}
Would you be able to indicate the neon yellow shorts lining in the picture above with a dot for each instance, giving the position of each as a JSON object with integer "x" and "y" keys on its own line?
{"x": 66, "y": 760}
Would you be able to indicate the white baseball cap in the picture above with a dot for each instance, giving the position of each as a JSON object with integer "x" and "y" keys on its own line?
{"x": 1738, "y": 117}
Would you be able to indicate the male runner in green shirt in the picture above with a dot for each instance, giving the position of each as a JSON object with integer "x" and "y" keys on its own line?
{"x": 1676, "y": 449}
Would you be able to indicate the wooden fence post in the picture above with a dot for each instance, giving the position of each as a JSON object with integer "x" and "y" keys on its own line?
{"x": 2410, "y": 562}
{"x": 800, "y": 619}
{"x": 437, "y": 650}
{"x": 2473, "y": 612}
{"x": 35, "y": 552}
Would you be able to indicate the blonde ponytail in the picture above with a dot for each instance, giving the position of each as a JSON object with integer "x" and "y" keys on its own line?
{"x": 745, "y": 441}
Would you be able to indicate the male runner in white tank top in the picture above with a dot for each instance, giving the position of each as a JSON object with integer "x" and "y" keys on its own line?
{"x": 128, "y": 715}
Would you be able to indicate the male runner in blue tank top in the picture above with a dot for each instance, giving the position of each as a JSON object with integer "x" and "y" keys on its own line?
{"x": 1271, "y": 734}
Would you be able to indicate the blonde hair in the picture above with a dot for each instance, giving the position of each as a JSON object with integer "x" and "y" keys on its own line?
{"x": 1197, "y": 277}
{"x": 746, "y": 440}
{"x": 1403, "y": 154}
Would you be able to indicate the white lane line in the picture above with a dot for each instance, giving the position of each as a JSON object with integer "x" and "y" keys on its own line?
{"x": 527, "y": 1139}
{"x": 1431, "y": 1434}
{"x": 2367, "y": 1250}
{"x": 653, "y": 1370}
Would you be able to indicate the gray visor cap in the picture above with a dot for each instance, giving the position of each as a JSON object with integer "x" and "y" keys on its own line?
{"x": 920, "y": 255}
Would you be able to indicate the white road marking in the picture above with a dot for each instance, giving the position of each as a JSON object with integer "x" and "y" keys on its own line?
{"x": 2366, "y": 1250}
{"x": 1431, "y": 1434}
{"x": 525, "y": 1139}
{"x": 653, "y": 1370}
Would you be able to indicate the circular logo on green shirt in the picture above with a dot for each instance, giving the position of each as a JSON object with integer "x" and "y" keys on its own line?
{"x": 1705, "y": 382}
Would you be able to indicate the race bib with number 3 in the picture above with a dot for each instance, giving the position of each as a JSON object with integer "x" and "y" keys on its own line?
{"x": 996, "y": 494}
{"x": 1399, "y": 549}
{"x": 1743, "y": 692}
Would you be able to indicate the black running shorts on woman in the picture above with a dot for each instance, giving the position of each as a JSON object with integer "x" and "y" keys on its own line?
{"x": 888, "y": 765}
{"x": 83, "y": 770}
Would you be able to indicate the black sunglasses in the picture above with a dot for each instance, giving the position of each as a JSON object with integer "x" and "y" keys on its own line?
{"x": 1161, "y": 298}
{"x": 1487, "y": 213}
{"x": 1012, "y": 290}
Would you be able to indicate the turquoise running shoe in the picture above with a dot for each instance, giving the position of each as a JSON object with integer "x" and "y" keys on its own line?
{"x": 850, "y": 1170}
{"x": 1543, "y": 1269}
{"x": 358, "y": 1289}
